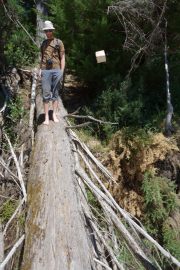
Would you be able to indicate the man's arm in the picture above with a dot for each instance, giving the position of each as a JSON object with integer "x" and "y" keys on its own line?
{"x": 40, "y": 61}
{"x": 62, "y": 54}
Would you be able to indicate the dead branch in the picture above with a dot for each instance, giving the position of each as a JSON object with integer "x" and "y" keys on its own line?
{"x": 110, "y": 200}
{"x": 120, "y": 266}
{"x": 89, "y": 118}
{"x": 6, "y": 98}
{"x": 11, "y": 173}
{"x": 18, "y": 168}
{"x": 6, "y": 172}
{"x": 103, "y": 264}
{"x": 132, "y": 15}
{"x": 95, "y": 161}
{"x": 128, "y": 217}
{"x": 9, "y": 198}
{"x": 11, "y": 253}
{"x": 79, "y": 126}
{"x": 133, "y": 245}
{"x": 28, "y": 71}
{"x": 106, "y": 205}
{"x": 4, "y": 107}
{"x": 98, "y": 249}
{"x": 13, "y": 216}
{"x": 102, "y": 185}
{"x": 75, "y": 112}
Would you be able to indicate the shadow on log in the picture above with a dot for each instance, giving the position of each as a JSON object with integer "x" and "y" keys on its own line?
{"x": 56, "y": 237}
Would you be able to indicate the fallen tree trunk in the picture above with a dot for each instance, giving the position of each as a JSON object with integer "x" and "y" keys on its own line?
{"x": 56, "y": 237}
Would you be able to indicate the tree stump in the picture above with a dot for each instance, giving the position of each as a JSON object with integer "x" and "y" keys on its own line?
{"x": 56, "y": 237}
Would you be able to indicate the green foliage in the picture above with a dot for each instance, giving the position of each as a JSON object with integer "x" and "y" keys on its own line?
{"x": 113, "y": 104}
{"x": 92, "y": 200}
{"x": 22, "y": 219}
{"x": 141, "y": 100}
{"x": 14, "y": 8}
{"x": 16, "y": 112}
{"x": 160, "y": 200}
{"x": 125, "y": 104}
{"x": 85, "y": 28}
{"x": 19, "y": 50}
{"x": 16, "y": 48}
{"x": 6, "y": 210}
{"x": 141, "y": 137}
{"x": 16, "y": 109}
{"x": 171, "y": 239}
{"x": 125, "y": 257}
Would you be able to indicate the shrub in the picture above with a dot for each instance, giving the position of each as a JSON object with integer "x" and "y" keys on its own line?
{"x": 171, "y": 239}
{"x": 15, "y": 112}
{"x": 19, "y": 50}
{"x": 6, "y": 211}
{"x": 16, "y": 109}
{"x": 160, "y": 200}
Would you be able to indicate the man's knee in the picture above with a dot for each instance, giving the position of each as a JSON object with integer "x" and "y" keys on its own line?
{"x": 46, "y": 100}
{"x": 46, "y": 94}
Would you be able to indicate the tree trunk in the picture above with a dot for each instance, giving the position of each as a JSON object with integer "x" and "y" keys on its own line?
{"x": 170, "y": 110}
{"x": 56, "y": 238}
{"x": 41, "y": 11}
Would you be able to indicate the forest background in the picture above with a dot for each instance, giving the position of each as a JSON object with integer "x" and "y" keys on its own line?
{"x": 135, "y": 100}
{"x": 138, "y": 100}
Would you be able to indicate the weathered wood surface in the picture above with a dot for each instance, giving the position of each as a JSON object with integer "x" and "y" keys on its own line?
{"x": 56, "y": 237}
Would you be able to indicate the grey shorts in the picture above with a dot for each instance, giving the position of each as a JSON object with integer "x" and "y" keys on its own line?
{"x": 51, "y": 83}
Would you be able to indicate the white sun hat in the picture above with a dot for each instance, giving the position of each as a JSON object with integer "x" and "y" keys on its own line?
{"x": 48, "y": 26}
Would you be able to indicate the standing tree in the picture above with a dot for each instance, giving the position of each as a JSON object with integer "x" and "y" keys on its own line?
{"x": 41, "y": 12}
{"x": 145, "y": 25}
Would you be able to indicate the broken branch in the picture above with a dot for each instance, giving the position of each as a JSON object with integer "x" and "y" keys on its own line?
{"x": 89, "y": 118}
{"x": 11, "y": 253}
{"x": 18, "y": 168}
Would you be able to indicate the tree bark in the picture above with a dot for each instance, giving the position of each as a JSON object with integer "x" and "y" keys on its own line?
{"x": 56, "y": 238}
{"x": 41, "y": 11}
{"x": 170, "y": 109}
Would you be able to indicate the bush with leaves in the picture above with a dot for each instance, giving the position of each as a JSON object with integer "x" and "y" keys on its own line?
{"x": 161, "y": 201}
{"x": 15, "y": 113}
{"x": 17, "y": 49}
{"x": 171, "y": 239}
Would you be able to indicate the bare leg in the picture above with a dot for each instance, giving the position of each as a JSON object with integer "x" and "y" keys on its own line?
{"x": 46, "y": 111}
{"x": 55, "y": 105}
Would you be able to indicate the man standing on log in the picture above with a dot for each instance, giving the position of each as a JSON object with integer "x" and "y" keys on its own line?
{"x": 51, "y": 70}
